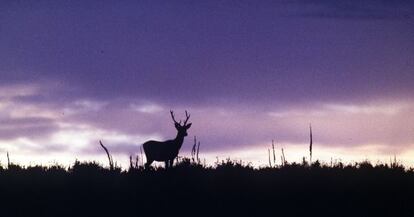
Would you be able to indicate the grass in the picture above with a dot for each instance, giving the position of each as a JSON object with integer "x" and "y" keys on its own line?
{"x": 190, "y": 189}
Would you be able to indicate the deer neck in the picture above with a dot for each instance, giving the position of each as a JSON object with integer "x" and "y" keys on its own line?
{"x": 179, "y": 139}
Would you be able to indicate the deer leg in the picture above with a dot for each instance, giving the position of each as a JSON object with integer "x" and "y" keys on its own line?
{"x": 171, "y": 162}
{"x": 148, "y": 163}
{"x": 166, "y": 164}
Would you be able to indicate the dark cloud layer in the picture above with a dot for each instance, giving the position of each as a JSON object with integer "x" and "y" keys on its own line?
{"x": 28, "y": 127}
{"x": 210, "y": 52}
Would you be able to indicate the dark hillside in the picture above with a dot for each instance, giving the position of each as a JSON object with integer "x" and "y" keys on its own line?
{"x": 230, "y": 189}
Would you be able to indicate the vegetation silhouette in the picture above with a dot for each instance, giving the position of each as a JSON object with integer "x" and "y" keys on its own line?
{"x": 229, "y": 188}
{"x": 167, "y": 151}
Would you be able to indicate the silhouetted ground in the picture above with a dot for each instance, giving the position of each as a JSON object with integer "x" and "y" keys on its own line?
{"x": 230, "y": 189}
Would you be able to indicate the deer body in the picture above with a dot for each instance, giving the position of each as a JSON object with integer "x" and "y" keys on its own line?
{"x": 168, "y": 150}
{"x": 165, "y": 151}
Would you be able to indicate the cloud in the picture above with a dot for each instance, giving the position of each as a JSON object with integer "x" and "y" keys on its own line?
{"x": 383, "y": 127}
{"x": 24, "y": 120}
{"x": 17, "y": 90}
{"x": 27, "y": 127}
{"x": 147, "y": 108}
{"x": 36, "y": 128}
{"x": 213, "y": 54}
{"x": 124, "y": 125}
{"x": 352, "y": 125}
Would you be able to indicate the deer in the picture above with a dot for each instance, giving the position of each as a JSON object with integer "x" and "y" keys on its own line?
{"x": 168, "y": 150}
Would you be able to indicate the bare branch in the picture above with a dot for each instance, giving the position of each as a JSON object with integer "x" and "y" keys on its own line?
{"x": 274, "y": 153}
{"x": 8, "y": 160}
{"x": 198, "y": 151}
{"x": 131, "y": 165}
{"x": 193, "y": 150}
{"x": 111, "y": 162}
{"x": 268, "y": 153}
{"x": 310, "y": 144}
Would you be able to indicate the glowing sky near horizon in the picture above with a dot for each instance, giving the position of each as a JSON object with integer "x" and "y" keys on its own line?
{"x": 73, "y": 73}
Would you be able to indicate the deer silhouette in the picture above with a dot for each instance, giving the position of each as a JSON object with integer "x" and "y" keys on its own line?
{"x": 168, "y": 150}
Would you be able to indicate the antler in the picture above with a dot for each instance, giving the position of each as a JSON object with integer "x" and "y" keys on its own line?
{"x": 187, "y": 117}
{"x": 172, "y": 116}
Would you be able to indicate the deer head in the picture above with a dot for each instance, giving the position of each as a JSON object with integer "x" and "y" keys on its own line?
{"x": 182, "y": 129}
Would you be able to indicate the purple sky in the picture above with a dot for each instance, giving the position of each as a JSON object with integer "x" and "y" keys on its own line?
{"x": 74, "y": 72}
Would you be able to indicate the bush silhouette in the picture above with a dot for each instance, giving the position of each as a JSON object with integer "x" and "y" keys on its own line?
{"x": 229, "y": 188}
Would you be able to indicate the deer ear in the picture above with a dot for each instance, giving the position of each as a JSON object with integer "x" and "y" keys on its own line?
{"x": 188, "y": 126}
